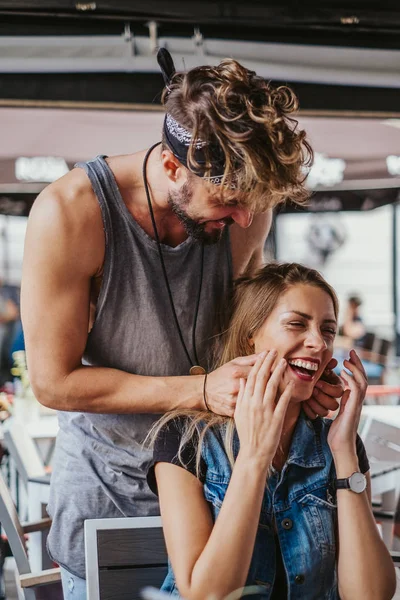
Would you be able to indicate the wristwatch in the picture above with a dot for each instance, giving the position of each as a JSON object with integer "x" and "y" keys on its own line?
{"x": 357, "y": 482}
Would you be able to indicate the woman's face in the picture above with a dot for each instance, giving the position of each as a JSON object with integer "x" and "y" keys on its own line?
{"x": 302, "y": 329}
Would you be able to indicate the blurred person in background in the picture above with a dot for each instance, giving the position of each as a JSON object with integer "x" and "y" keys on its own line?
{"x": 354, "y": 334}
{"x": 269, "y": 499}
{"x": 144, "y": 249}
{"x": 353, "y": 326}
{"x": 9, "y": 319}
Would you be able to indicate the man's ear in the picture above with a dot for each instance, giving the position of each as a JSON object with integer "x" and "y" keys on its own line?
{"x": 171, "y": 165}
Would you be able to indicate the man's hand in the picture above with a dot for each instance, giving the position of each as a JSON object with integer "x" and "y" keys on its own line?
{"x": 325, "y": 391}
{"x": 223, "y": 384}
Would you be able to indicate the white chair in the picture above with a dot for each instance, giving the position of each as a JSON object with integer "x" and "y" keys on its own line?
{"x": 23, "y": 451}
{"x": 43, "y": 585}
{"x": 27, "y": 467}
{"x": 123, "y": 556}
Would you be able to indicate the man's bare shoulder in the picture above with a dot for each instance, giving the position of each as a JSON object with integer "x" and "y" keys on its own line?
{"x": 67, "y": 214}
{"x": 71, "y": 195}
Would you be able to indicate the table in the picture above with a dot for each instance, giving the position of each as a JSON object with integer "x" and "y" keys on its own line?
{"x": 387, "y": 413}
{"x": 385, "y": 482}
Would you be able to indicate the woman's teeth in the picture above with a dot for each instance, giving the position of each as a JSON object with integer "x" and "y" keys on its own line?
{"x": 304, "y": 364}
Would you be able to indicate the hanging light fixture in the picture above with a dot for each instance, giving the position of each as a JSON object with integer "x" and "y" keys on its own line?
{"x": 325, "y": 171}
{"x": 393, "y": 165}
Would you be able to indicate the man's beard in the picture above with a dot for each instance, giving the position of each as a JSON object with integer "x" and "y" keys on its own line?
{"x": 196, "y": 230}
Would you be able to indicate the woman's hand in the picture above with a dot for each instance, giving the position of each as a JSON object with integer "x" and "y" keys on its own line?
{"x": 343, "y": 431}
{"x": 259, "y": 416}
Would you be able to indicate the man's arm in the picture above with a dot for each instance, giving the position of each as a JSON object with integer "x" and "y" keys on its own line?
{"x": 247, "y": 245}
{"x": 64, "y": 250}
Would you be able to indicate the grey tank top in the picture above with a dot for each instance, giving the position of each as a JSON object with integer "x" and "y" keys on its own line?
{"x": 100, "y": 464}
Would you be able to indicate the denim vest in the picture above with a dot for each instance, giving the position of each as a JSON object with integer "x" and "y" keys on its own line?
{"x": 299, "y": 507}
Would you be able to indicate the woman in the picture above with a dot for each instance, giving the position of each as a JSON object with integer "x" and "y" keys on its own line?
{"x": 255, "y": 501}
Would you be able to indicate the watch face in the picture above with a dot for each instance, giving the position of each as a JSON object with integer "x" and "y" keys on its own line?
{"x": 358, "y": 482}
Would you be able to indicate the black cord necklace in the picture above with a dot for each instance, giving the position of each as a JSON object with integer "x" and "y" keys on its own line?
{"x": 195, "y": 368}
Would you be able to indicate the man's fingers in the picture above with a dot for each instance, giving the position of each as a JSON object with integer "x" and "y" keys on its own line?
{"x": 317, "y": 408}
{"x": 331, "y": 364}
{"x": 330, "y": 377}
{"x": 332, "y": 390}
{"x": 326, "y": 401}
{"x": 246, "y": 360}
{"x": 310, "y": 413}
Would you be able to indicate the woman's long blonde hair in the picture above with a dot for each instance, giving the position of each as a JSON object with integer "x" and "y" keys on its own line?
{"x": 255, "y": 297}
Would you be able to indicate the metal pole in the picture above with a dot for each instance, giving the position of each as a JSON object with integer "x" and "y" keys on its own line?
{"x": 395, "y": 279}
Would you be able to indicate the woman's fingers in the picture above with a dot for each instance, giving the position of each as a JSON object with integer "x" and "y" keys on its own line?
{"x": 251, "y": 379}
{"x": 273, "y": 384}
{"x": 242, "y": 387}
{"x": 358, "y": 376}
{"x": 358, "y": 362}
{"x": 283, "y": 403}
{"x": 355, "y": 366}
{"x": 352, "y": 386}
{"x": 343, "y": 402}
{"x": 264, "y": 374}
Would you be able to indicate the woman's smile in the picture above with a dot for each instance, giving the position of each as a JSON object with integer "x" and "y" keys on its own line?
{"x": 304, "y": 367}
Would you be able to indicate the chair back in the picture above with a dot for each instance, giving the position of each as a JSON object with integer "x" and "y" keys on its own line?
{"x": 382, "y": 348}
{"x": 368, "y": 341}
{"x": 381, "y": 440}
{"x": 23, "y": 451}
{"x": 12, "y": 527}
{"x": 123, "y": 556}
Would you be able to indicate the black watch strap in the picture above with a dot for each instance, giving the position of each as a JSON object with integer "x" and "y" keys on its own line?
{"x": 342, "y": 484}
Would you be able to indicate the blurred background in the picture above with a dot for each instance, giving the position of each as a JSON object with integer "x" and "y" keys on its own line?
{"x": 80, "y": 78}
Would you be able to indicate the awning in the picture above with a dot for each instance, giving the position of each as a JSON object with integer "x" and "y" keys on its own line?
{"x": 346, "y": 200}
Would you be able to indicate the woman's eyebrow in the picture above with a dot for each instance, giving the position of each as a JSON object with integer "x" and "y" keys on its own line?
{"x": 297, "y": 312}
{"x": 308, "y": 317}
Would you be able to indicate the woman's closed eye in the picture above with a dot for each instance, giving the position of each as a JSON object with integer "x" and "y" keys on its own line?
{"x": 329, "y": 331}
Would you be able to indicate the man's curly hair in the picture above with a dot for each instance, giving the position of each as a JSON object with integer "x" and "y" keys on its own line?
{"x": 265, "y": 151}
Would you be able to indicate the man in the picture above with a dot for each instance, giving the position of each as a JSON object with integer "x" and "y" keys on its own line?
{"x": 141, "y": 251}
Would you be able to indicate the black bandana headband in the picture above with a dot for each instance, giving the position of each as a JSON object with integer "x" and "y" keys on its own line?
{"x": 179, "y": 138}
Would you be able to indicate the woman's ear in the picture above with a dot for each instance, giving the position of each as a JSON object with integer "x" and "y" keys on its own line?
{"x": 251, "y": 343}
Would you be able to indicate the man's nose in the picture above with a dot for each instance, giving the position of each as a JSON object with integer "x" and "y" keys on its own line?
{"x": 243, "y": 217}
